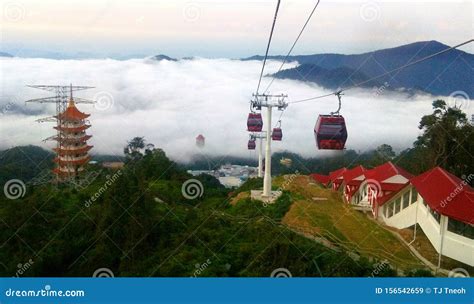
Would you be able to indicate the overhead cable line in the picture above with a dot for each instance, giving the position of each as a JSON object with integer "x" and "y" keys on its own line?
{"x": 385, "y": 74}
{"x": 268, "y": 45}
{"x": 294, "y": 43}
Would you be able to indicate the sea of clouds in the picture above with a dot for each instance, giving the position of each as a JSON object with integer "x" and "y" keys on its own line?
{"x": 170, "y": 103}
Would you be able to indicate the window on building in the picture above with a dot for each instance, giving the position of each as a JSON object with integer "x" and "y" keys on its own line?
{"x": 406, "y": 199}
{"x": 389, "y": 208}
{"x": 398, "y": 204}
{"x": 414, "y": 195}
{"x": 461, "y": 228}
{"x": 436, "y": 215}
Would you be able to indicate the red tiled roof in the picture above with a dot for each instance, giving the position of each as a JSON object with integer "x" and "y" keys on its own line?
{"x": 79, "y": 150}
{"x": 392, "y": 188}
{"x": 81, "y": 161}
{"x": 72, "y": 113}
{"x": 323, "y": 179}
{"x": 446, "y": 194}
{"x": 385, "y": 171}
{"x": 336, "y": 174}
{"x": 73, "y": 129}
{"x": 350, "y": 174}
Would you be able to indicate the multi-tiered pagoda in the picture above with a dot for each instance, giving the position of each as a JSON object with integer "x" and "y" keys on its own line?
{"x": 72, "y": 148}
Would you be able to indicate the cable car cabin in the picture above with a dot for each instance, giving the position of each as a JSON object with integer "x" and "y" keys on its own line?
{"x": 330, "y": 132}
{"x": 277, "y": 134}
{"x": 251, "y": 145}
{"x": 254, "y": 122}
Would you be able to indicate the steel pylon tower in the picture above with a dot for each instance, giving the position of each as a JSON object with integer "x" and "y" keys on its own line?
{"x": 60, "y": 99}
{"x": 269, "y": 102}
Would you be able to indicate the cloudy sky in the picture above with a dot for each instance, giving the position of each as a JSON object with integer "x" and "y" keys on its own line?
{"x": 225, "y": 28}
{"x": 170, "y": 103}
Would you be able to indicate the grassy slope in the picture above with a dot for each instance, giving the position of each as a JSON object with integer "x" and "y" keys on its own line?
{"x": 344, "y": 227}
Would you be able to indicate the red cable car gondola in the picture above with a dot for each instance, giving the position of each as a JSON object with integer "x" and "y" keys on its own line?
{"x": 251, "y": 144}
{"x": 254, "y": 122}
{"x": 277, "y": 134}
{"x": 330, "y": 131}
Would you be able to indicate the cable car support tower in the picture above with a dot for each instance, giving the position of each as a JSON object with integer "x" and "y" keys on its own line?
{"x": 268, "y": 101}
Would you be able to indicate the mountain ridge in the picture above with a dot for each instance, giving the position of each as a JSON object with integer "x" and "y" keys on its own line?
{"x": 443, "y": 75}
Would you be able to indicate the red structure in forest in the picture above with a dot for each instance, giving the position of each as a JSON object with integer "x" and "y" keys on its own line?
{"x": 72, "y": 148}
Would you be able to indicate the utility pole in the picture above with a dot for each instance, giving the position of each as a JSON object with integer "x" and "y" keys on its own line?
{"x": 269, "y": 102}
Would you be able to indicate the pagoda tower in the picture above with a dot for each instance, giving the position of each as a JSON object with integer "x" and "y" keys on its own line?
{"x": 72, "y": 148}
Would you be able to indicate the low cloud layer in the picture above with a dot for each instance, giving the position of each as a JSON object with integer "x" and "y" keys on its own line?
{"x": 170, "y": 103}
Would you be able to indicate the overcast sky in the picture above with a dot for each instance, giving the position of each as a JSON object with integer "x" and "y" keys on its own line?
{"x": 226, "y": 28}
{"x": 170, "y": 103}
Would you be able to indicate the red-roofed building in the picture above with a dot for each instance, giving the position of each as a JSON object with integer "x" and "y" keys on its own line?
{"x": 352, "y": 179}
{"x": 380, "y": 184}
{"x": 442, "y": 205}
{"x": 320, "y": 178}
{"x": 336, "y": 179}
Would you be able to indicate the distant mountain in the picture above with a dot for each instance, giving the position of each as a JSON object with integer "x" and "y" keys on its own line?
{"x": 163, "y": 57}
{"x": 24, "y": 163}
{"x": 3, "y": 54}
{"x": 441, "y": 75}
